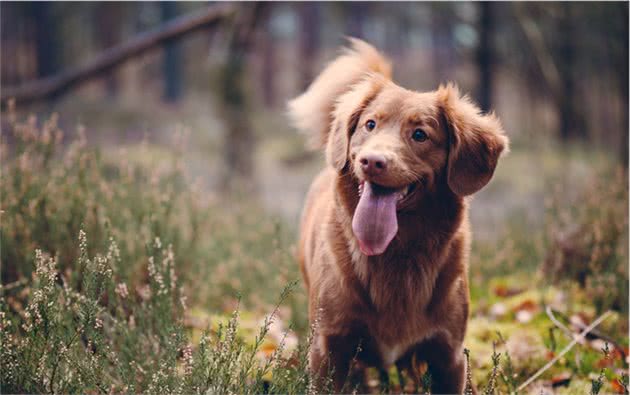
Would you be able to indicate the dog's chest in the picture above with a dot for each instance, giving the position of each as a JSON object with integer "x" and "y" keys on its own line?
{"x": 400, "y": 300}
{"x": 394, "y": 339}
{"x": 390, "y": 354}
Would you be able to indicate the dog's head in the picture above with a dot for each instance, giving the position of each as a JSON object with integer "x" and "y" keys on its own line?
{"x": 400, "y": 145}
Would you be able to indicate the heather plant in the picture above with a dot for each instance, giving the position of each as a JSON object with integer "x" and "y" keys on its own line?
{"x": 54, "y": 185}
{"x": 49, "y": 193}
{"x": 109, "y": 312}
{"x": 116, "y": 269}
{"x": 587, "y": 239}
{"x": 100, "y": 339}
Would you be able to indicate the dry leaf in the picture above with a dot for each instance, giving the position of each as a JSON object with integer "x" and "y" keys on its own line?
{"x": 561, "y": 380}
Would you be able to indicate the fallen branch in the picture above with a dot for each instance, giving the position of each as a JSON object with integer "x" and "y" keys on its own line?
{"x": 113, "y": 57}
{"x": 576, "y": 339}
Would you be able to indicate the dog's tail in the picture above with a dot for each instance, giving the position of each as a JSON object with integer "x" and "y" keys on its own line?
{"x": 311, "y": 112}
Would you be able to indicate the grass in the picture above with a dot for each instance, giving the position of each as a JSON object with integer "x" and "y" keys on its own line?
{"x": 120, "y": 273}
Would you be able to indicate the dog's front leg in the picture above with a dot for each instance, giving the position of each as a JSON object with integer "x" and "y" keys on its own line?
{"x": 331, "y": 358}
{"x": 446, "y": 365}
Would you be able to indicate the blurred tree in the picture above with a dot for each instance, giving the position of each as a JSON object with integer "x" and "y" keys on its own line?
{"x": 570, "y": 123}
{"x": 485, "y": 54}
{"x": 239, "y": 140}
{"x": 396, "y": 29}
{"x": 555, "y": 59}
{"x": 442, "y": 40}
{"x": 47, "y": 43}
{"x": 310, "y": 24}
{"x": 354, "y": 14}
{"x": 267, "y": 53}
{"x": 109, "y": 18}
{"x": 618, "y": 51}
{"x": 172, "y": 57}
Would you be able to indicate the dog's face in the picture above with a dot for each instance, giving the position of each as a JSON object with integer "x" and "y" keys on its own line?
{"x": 399, "y": 145}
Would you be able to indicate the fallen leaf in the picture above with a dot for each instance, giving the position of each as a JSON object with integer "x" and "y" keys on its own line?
{"x": 561, "y": 380}
{"x": 604, "y": 363}
{"x": 528, "y": 305}
{"x": 268, "y": 348}
{"x": 504, "y": 291}
{"x": 501, "y": 290}
{"x": 617, "y": 387}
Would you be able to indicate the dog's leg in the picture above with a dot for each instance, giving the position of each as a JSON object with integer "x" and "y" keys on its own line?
{"x": 401, "y": 378}
{"x": 331, "y": 359}
{"x": 384, "y": 379}
{"x": 446, "y": 365}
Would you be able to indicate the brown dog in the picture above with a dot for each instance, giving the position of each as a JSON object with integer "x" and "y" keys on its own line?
{"x": 384, "y": 234}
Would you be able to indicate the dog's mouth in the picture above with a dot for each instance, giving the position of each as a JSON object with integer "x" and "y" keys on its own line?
{"x": 374, "y": 222}
{"x": 404, "y": 194}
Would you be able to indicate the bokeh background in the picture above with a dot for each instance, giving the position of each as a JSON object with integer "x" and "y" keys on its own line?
{"x": 200, "y": 89}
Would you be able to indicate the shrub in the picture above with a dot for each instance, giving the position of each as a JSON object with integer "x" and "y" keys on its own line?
{"x": 587, "y": 240}
{"x": 53, "y": 186}
{"x": 108, "y": 313}
{"x": 102, "y": 339}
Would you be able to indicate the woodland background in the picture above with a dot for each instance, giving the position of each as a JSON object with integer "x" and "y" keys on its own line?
{"x": 179, "y": 152}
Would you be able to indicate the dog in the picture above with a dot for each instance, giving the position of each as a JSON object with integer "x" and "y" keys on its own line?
{"x": 385, "y": 234}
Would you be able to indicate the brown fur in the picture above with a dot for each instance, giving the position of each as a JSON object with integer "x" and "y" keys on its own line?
{"x": 414, "y": 297}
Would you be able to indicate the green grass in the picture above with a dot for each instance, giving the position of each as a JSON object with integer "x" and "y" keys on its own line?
{"x": 121, "y": 273}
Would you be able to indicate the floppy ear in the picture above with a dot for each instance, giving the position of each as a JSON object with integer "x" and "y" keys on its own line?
{"x": 476, "y": 141}
{"x": 348, "y": 110}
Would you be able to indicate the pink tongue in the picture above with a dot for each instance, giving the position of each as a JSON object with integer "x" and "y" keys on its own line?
{"x": 374, "y": 222}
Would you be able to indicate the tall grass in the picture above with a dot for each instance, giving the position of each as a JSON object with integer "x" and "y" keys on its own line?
{"x": 112, "y": 261}
{"x": 587, "y": 239}
{"x": 102, "y": 257}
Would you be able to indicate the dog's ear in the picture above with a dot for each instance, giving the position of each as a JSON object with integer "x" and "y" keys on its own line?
{"x": 476, "y": 141}
{"x": 348, "y": 110}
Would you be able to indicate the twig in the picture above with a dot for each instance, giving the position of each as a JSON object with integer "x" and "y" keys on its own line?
{"x": 15, "y": 284}
{"x": 559, "y": 324}
{"x": 565, "y": 350}
{"x": 571, "y": 334}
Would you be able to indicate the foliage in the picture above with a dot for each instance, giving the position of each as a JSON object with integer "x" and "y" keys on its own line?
{"x": 98, "y": 340}
{"x": 110, "y": 264}
{"x": 85, "y": 317}
{"x": 49, "y": 193}
{"x": 587, "y": 239}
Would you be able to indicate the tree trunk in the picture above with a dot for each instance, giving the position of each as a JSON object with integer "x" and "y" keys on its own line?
{"x": 354, "y": 13}
{"x": 569, "y": 122}
{"x": 267, "y": 54}
{"x": 622, "y": 72}
{"x": 441, "y": 41}
{"x": 239, "y": 140}
{"x": 308, "y": 41}
{"x": 485, "y": 58}
{"x": 172, "y": 57}
{"x": 46, "y": 39}
{"x": 108, "y": 17}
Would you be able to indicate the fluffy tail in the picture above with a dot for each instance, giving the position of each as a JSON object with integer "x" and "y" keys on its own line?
{"x": 311, "y": 112}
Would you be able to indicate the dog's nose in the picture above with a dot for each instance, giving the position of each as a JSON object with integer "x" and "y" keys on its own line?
{"x": 373, "y": 164}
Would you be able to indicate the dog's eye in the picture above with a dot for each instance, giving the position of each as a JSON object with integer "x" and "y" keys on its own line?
{"x": 370, "y": 125}
{"x": 419, "y": 135}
